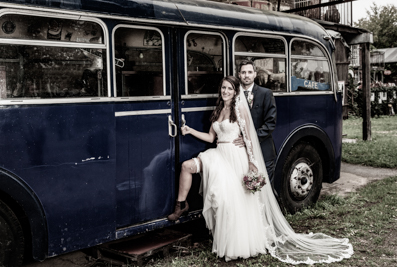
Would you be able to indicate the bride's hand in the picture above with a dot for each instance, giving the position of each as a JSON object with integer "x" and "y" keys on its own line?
{"x": 186, "y": 130}
{"x": 253, "y": 168}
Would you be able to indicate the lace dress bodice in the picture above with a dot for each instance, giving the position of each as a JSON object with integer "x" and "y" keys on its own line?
{"x": 226, "y": 131}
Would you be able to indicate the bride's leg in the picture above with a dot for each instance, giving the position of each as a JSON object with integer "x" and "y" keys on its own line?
{"x": 185, "y": 182}
{"x": 185, "y": 179}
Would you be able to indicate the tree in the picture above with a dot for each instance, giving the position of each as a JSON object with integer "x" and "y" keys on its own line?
{"x": 382, "y": 22}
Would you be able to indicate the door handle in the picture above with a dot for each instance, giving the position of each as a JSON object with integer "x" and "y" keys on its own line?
{"x": 119, "y": 62}
{"x": 183, "y": 120}
{"x": 171, "y": 125}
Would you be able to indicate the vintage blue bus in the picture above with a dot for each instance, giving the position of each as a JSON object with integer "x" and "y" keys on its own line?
{"x": 93, "y": 94}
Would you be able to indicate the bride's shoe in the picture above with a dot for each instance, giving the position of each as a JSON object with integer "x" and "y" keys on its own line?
{"x": 178, "y": 211}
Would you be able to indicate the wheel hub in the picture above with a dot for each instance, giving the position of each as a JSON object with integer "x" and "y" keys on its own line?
{"x": 301, "y": 180}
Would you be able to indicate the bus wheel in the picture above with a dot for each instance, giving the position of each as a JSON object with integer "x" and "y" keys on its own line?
{"x": 11, "y": 238}
{"x": 302, "y": 178}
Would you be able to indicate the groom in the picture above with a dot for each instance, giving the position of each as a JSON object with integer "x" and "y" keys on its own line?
{"x": 263, "y": 112}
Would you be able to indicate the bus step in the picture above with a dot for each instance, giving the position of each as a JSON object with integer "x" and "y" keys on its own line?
{"x": 142, "y": 248}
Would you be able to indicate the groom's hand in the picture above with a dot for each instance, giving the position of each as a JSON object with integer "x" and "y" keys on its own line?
{"x": 239, "y": 141}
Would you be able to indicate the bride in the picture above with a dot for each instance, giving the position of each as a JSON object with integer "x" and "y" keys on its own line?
{"x": 245, "y": 224}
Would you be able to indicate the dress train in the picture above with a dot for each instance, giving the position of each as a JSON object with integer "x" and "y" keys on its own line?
{"x": 245, "y": 224}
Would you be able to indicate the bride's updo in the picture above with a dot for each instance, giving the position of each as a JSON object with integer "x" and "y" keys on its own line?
{"x": 220, "y": 104}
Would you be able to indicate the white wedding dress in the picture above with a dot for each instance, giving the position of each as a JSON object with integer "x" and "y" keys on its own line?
{"x": 231, "y": 213}
{"x": 245, "y": 224}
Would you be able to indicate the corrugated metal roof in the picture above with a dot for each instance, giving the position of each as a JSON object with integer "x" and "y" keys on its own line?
{"x": 390, "y": 54}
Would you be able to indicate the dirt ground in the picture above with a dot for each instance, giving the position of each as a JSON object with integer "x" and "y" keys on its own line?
{"x": 352, "y": 177}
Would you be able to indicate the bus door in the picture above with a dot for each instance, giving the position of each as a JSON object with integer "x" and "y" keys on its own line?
{"x": 201, "y": 66}
{"x": 145, "y": 128}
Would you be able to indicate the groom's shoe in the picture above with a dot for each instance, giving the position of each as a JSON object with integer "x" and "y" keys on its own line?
{"x": 178, "y": 210}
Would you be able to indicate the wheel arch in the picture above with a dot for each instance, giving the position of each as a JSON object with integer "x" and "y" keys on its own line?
{"x": 317, "y": 138}
{"x": 22, "y": 200}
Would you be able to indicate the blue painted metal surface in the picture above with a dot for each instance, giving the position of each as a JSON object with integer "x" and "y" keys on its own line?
{"x": 66, "y": 154}
{"x": 144, "y": 163}
{"x": 100, "y": 177}
{"x": 320, "y": 111}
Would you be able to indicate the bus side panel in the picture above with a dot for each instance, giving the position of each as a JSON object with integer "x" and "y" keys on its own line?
{"x": 66, "y": 154}
{"x": 337, "y": 140}
{"x": 297, "y": 111}
{"x": 311, "y": 109}
{"x": 282, "y": 124}
{"x": 144, "y": 175}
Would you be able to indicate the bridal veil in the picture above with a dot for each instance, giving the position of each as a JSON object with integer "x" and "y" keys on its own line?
{"x": 282, "y": 241}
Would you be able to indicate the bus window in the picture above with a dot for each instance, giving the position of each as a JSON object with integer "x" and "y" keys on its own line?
{"x": 269, "y": 56}
{"x": 310, "y": 69}
{"x": 205, "y": 62}
{"x": 45, "y": 67}
{"x": 139, "y": 62}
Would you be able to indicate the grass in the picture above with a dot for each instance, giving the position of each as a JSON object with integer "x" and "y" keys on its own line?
{"x": 367, "y": 217}
{"x": 380, "y": 152}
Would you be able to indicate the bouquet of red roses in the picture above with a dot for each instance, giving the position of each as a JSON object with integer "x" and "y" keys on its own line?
{"x": 254, "y": 182}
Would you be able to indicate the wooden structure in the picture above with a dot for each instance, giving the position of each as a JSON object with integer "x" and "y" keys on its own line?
{"x": 362, "y": 37}
{"x": 141, "y": 249}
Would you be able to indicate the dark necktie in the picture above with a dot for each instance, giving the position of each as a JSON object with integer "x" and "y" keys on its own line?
{"x": 246, "y": 93}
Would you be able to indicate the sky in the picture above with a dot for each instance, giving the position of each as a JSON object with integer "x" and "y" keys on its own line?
{"x": 360, "y": 7}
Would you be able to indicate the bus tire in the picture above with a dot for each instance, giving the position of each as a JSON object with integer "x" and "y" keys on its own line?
{"x": 302, "y": 178}
{"x": 12, "y": 242}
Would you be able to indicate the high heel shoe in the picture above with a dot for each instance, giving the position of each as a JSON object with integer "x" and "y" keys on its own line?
{"x": 178, "y": 211}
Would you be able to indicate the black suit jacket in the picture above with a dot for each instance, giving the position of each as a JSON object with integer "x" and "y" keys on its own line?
{"x": 264, "y": 115}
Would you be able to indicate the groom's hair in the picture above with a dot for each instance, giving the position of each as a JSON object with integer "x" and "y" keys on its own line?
{"x": 246, "y": 62}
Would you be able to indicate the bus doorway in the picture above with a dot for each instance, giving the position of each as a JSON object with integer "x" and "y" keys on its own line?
{"x": 145, "y": 127}
{"x": 202, "y": 65}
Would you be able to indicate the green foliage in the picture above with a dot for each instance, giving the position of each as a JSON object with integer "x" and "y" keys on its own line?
{"x": 381, "y": 21}
{"x": 378, "y": 108}
{"x": 354, "y": 98}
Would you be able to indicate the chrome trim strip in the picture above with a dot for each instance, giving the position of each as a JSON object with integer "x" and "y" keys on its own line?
{"x": 251, "y": 54}
{"x": 292, "y": 93}
{"x": 141, "y": 98}
{"x": 41, "y": 12}
{"x": 197, "y": 109}
{"x": 49, "y": 101}
{"x": 309, "y": 57}
{"x": 199, "y": 96}
{"x": 142, "y": 112}
{"x": 51, "y": 43}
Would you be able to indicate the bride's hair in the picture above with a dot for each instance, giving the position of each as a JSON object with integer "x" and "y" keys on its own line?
{"x": 220, "y": 104}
